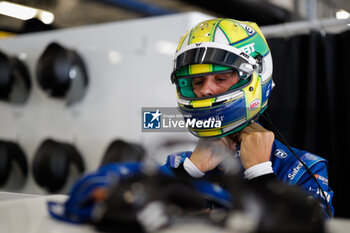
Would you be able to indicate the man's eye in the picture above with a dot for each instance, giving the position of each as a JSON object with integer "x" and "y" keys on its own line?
{"x": 197, "y": 82}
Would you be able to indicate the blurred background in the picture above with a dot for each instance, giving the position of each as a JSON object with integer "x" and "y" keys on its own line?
{"x": 110, "y": 58}
{"x": 84, "y": 12}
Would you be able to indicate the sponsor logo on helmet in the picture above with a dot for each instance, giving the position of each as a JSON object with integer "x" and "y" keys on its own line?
{"x": 249, "y": 30}
{"x": 243, "y": 54}
{"x": 280, "y": 153}
{"x": 254, "y": 104}
{"x": 249, "y": 48}
{"x": 295, "y": 171}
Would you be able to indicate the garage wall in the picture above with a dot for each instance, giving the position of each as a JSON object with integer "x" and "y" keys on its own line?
{"x": 129, "y": 64}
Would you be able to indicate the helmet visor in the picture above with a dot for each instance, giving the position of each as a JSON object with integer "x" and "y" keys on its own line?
{"x": 214, "y": 56}
{"x": 197, "y": 86}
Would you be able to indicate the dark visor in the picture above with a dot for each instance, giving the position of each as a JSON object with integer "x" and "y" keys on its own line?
{"x": 207, "y": 55}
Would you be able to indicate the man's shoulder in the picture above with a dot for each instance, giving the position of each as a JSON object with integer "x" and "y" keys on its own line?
{"x": 282, "y": 153}
{"x": 288, "y": 167}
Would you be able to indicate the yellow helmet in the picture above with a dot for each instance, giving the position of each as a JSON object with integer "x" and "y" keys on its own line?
{"x": 219, "y": 46}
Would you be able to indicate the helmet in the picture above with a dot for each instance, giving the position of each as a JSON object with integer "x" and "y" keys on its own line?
{"x": 218, "y": 46}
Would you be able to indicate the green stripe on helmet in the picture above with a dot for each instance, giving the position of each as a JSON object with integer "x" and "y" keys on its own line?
{"x": 259, "y": 44}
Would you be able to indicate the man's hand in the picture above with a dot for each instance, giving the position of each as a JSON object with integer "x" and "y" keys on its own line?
{"x": 256, "y": 145}
{"x": 210, "y": 152}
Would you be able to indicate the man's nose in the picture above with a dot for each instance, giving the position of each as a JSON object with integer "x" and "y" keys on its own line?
{"x": 208, "y": 88}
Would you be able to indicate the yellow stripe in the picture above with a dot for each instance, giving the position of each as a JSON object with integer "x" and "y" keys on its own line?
{"x": 215, "y": 132}
{"x": 200, "y": 68}
{"x": 202, "y": 103}
{"x": 236, "y": 122}
{"x": 203, "y": 32}
{"x": 209, "y": 133}
{"x": 182, "y": 41}
{"x": 233, "y": 31}
{"x": 253, "y": 96}
{"x": 264, "y": 105}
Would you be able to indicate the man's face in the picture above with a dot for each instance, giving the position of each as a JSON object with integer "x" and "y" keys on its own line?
{"x": 214, "y": 84}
